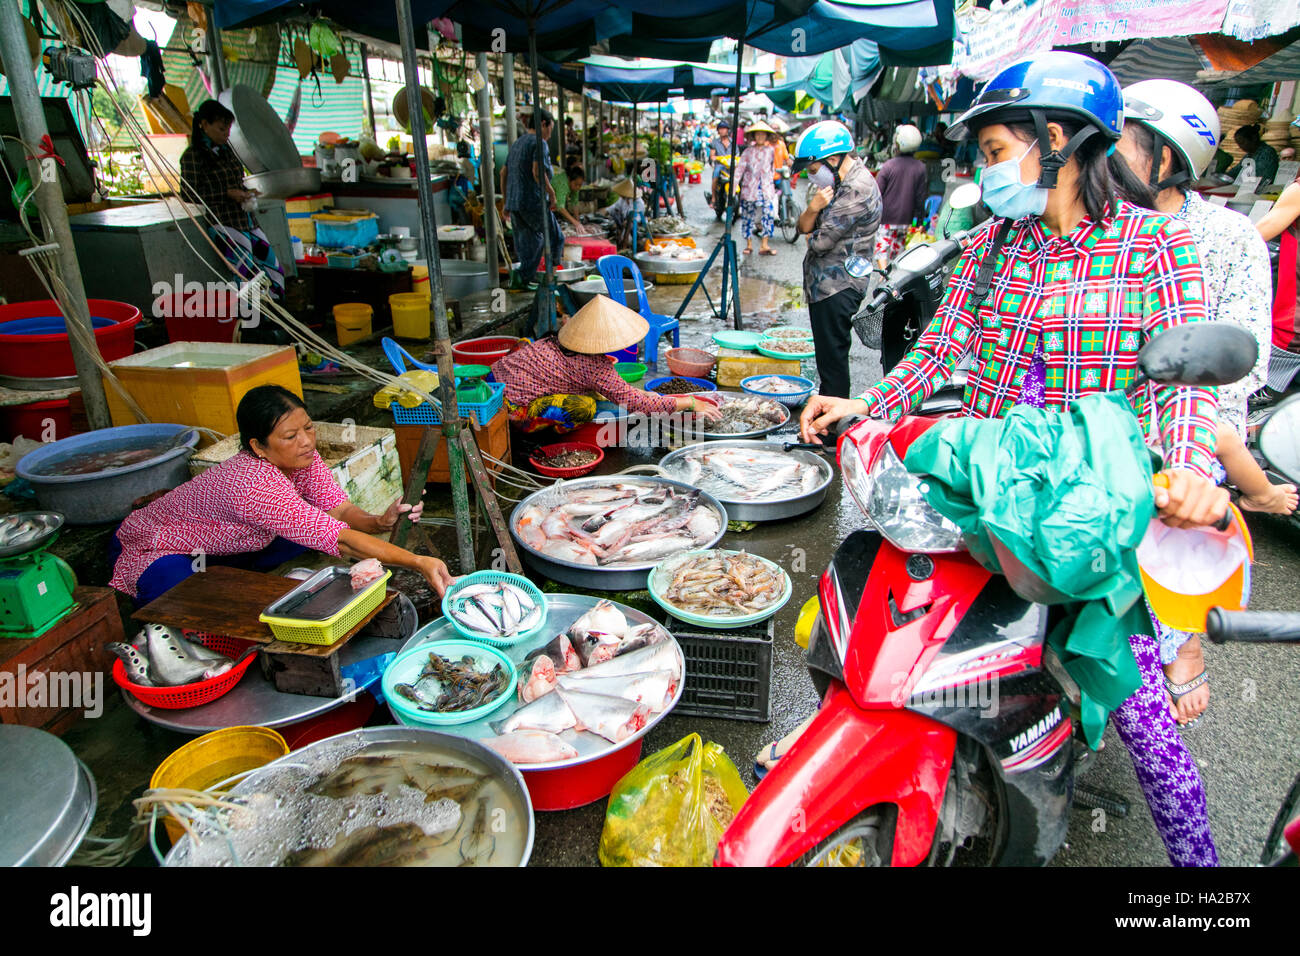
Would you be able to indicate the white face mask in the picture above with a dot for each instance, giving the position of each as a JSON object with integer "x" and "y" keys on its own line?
{"x": 822, "y": 177}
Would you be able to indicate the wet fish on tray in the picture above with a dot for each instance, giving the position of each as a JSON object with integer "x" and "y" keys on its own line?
{"x": 536, "y": 678}
{"x": 720, "y": 584}
{"x": 531, "y": 746}
{"x": 661, "y": 656}
{"x": 561, "y": 653}
{"x": 747, "y": 474}
{"x": 617, "y": 524}
{"x": 613, "y": 718}
{"x": 749, "y": 414}
{"x": 596, "y": 635}
{"x": 174, "y": 661}
{"x": 499, "y": 610}
{"x": 655, "y": 689}
{"x": 549, "y": 712}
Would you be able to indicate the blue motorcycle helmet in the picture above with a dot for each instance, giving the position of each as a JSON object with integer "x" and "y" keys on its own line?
{"x": 821, "y": 141}
{"x": 1034, "y": 90}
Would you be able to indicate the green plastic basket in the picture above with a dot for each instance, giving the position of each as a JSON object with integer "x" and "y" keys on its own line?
{"x": 407, "y": 666}
{"x": 659, "y": 580}
{"x": 746, "y": 341}
{"x": 298, "y": 631}
{"x": 495, "y": 577}
{"x": 630, "y": 371}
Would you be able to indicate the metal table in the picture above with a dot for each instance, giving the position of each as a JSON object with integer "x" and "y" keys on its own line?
{"x": 256, "y": 703}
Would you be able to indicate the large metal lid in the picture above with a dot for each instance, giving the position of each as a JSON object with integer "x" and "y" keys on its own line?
{"x": 258, "y": 134}
{"x": 47, "y": 798}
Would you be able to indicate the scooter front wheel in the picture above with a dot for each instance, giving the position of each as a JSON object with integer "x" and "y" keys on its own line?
{"x": 866, "y": 840}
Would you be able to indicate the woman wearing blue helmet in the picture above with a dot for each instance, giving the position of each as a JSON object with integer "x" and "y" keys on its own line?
{"x": 1080, "y": 281}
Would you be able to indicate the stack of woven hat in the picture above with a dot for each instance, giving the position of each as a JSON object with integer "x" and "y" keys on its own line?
{"x": 1231, "y": 118}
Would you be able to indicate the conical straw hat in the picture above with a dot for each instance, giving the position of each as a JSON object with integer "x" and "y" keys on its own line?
{"x": 602, "y": 325}
{"x": 624, "y": 188}
{"x": 759, "y": 127}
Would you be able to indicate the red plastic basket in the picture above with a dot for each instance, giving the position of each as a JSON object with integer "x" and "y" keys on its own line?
{"x": 559, "y": 448}
{"x": 191, "y": 695}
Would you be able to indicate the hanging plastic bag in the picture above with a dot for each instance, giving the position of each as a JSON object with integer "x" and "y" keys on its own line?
{"x": 673, "y": 807}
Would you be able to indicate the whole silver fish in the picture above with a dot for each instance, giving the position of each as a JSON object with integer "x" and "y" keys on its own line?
{"x": 613, "y": 718}
{"x": 170, "y": 665}
{"x": 549, "y": 712}
{"x": 662, "y": 656}
{"x": 137, "y": 668}
{"x": 655, "y": 689}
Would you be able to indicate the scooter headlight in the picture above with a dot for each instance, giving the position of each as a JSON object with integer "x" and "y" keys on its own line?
{"x": 894, "y": 499}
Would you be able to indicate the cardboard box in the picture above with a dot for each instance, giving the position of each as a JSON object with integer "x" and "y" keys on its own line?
{"x": 364, "y": 462}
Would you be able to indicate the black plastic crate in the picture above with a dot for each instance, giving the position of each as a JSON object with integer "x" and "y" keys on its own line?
{"x": 728, "y": 673}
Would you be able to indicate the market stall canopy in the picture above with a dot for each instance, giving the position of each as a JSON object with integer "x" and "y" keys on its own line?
{"x": 651, "y": 81}
{"x": 837, "y": 79}
{"x": 679, "y": 29}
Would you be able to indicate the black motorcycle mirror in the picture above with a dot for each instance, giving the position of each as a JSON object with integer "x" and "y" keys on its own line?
{"x": 1279, "y": 439}
{"x": 1200, "y": 353}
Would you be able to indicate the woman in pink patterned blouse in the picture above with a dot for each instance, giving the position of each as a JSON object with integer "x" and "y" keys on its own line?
{"x": 273, "y": 500}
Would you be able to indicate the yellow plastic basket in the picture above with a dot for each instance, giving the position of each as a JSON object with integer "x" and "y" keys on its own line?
{"x": 331, "y": 629}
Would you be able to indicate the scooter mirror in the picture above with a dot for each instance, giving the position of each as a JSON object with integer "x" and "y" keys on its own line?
{"x": 965, "y": 196}
{"x": 1201, "y": 353}
{"x": 1279, "y": 439}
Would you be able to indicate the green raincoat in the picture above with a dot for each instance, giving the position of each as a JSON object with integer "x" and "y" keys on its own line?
{"x": 1058, "y": 503}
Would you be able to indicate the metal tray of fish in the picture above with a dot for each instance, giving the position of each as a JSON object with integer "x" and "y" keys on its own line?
{"x": 775, "y": 508}
{"x": 319, "y": 598}
{"x": 696, "y": 432}
{"x": 27, "y": 531}
{"x": 564, "y": 609}
{"x": 620, "y": 577}
{"x": 667, "y": 265}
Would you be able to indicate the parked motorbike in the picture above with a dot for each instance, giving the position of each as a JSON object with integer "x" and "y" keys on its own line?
{"x": 720, "y": 188}
{"x": 910, "y": 759}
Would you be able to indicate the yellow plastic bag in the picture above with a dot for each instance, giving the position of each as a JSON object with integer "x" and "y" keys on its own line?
{"x": 673, "y": 807}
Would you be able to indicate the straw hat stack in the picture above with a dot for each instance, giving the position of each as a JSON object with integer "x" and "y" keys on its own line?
{"x": 1231, "y": 118}
{"x": 1277, "y": 132}
{"x": 602, "y": 325}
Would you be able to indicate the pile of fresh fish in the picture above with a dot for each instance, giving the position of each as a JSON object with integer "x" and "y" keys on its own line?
{"x": 719, "y": 584}
{"x": 784, "y": 332}
{"x": 17, "y": 531}
{"x": 500, "y": 610}
{"x": 743, "y": 415}
{"x": 604, "y": 675}
{"x": 456, "y": 685}
{"x": 775, "y": 385}
{"x": 365, "y": 573}
{"x": 618, "y": 524}
{"x": 671, "y": 250}
{"x": 746, "y": 474}
{"x": 663, "y": 224}
{"x": 168, "y": 660}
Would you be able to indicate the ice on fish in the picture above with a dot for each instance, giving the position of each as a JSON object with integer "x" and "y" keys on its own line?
{"x": 613, "y": 718}
{"x": 531, "y": 746}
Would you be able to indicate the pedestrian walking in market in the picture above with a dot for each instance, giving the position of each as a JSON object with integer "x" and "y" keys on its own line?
{"x": 840, "y": 223}
{"x": 755, "y": 174}
{"x": 904, "y": 185}
{"x": 530, "y": 198}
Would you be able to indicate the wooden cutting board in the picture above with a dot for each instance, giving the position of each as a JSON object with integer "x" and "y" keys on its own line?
{"x": 229, "y": 601}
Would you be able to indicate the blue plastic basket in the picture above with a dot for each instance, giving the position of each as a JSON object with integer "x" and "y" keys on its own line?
{"x": 426, "y": 414}
{"x": 790, "y": 399}
{"x": 495, "y": 577}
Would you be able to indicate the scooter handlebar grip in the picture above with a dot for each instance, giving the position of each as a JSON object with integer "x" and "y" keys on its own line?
{"x": 1161, "y": 480}
{"x": 1254, "y": 627}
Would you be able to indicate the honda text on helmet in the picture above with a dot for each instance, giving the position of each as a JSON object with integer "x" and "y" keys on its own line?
{"x": 1051, "y": 86}
{"x": 1180, "y": 118}
{"x": 818, "y": 143}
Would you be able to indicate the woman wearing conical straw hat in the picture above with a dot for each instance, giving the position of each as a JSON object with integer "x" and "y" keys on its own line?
{"x": 551, "y": 382}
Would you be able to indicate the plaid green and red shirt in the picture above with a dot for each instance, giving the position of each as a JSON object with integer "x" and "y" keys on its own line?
{"x": 1094, "y": 297}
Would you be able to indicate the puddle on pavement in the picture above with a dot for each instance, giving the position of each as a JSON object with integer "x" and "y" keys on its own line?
{"x": 763, "y": 302}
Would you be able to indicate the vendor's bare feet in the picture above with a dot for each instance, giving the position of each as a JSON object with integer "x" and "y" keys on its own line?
{"x": 1185, "y": 668}
{"x": 1281, "y": 500}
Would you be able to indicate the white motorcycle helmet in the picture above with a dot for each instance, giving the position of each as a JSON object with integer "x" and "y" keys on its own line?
{"x": 1182, "y": 119}
{"x": 907, "y": 139}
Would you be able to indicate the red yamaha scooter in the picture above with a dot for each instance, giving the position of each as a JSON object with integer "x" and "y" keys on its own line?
{"x": 944, "y": 736}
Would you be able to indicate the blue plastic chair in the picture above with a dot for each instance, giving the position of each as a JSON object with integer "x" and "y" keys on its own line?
{"x": 395, "y": 354}
{"x": 932, "y": 207}
{"x": 612, "y": 269}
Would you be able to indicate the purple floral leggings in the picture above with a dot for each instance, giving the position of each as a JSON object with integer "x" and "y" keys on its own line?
{"x": 1165, "y": 770}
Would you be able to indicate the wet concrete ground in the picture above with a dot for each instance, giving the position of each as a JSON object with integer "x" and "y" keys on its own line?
{"x": 1245, "y": 746}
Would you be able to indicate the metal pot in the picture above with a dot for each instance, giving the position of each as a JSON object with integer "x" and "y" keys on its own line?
{"x": 48, "y": 796}
{"x": 625, "y": 578}
{"x": 772, "y": 509}
{"x": 462, "y": 277}
{"x": 283, "y": 183}
{"x": 588, "y": 289}
{"x": 571, "y": 274}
